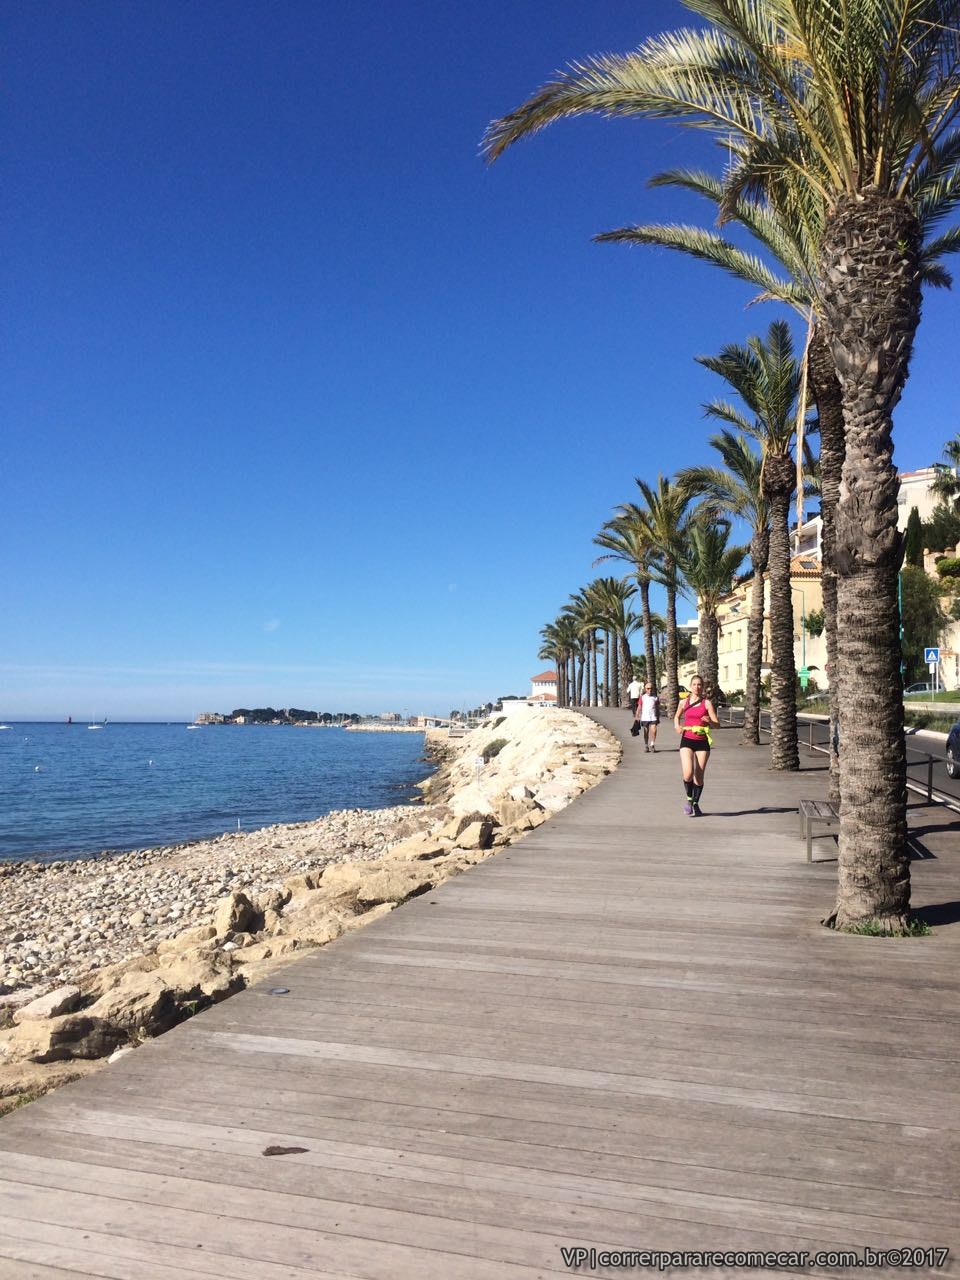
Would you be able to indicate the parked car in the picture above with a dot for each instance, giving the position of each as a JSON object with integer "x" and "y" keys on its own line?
{"x": 953, "y": 751}
{"x": 919, "y": 688}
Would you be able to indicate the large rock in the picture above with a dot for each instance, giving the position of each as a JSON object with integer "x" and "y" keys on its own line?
{"x": 316, "y": 925}
{"x": 54, "y": 1003}
{"x": 371, "y": 882}
{"x": 554, "y": 796}
{"x": 73, "y": 1035}
{"x": 292, "y": 887}
{"x": 423, "y": 847}
{"x": 368, "y": 917}
{"x": 476, "y": 835}
{"x": 190, "y": 938}
{"x": 139, "y": 1002}
{"x": 471, "y": 799}
{"x": 511, "y": 811}
{"x": 235, "y": 913}
{"x": 203, "y": 980}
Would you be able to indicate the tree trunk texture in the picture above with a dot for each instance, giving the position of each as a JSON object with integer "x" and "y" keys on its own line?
{"x": 581, "y": 677}
{"x": 651, "y": 657}
{"x": 829, "y": 399}
{"x": 615, "y": 676}
{"x": 559, "y": 683}
{"x": 759, "y": 556}
{"x": 594, "y": 699}
{"x": 626, "y": 670}
{"x": 779, "y": 478}
{"x": 670, "y": 676}
{"x": 870, "y": 289}
{"x": 708, "y": 656}
{"x": 606, "y": 668}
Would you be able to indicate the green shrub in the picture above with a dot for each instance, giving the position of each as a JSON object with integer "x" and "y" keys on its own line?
{"x": 815, "y": 622}
{"x": 493, "y": 748}
{"x": 949, "y": 567}
{"x": 499, "y": 721}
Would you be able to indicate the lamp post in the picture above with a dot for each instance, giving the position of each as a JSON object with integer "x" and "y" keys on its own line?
{"x": 803, "y": 673}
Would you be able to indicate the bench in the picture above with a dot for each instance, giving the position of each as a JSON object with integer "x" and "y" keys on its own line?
{"x": 812, "y": 811}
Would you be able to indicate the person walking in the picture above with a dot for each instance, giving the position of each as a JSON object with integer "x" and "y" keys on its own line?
{"x": 695, "y": 715}
{"x": 648, "y": 714}
{"x": 634, "y": 689}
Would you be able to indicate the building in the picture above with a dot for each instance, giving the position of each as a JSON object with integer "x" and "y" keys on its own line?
{"x": 916, "y": 490}
{"x": 734, "y": 613}
{"x": 543, "y": 688}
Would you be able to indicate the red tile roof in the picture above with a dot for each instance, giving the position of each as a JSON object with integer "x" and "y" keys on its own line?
{"x": 545, "y": 677}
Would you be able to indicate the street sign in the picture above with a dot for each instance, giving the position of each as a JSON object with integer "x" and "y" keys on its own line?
{"x": 804, "y": 674}
{"x": 931, "y": 654}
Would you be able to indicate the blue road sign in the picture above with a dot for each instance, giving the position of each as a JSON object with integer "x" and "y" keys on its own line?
{"x": 931, "y": 654}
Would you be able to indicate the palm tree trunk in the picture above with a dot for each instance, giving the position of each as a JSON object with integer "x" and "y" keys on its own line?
{"x": 708, "y": 659}
{"x": 559, "y": 665}
{"x": 626, "y": 670}
{"x": 592, "y": 678}
{"x": 759, "y": 555}
{"x": 869, "y": 276}
{"x": 784, "y": 753}
{"x": 606, "y": 668}
{"x": 581, "y": 676}
{"x": 829, "y": 398}
{"x": 615, "y": 677}
{"x": 651, "y": 672}
{"x": 671, "y": 677}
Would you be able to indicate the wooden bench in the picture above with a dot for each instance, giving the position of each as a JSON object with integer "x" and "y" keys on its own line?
{"x": 811, "y": 811}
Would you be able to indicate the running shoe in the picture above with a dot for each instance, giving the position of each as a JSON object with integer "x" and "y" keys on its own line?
{"x": 697, "y": 813}
{"x": 688, "y": 809}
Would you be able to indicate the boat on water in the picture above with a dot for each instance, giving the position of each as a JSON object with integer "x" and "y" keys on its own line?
{"x": 194, "y": 726}
{"x": 4, "y": 726}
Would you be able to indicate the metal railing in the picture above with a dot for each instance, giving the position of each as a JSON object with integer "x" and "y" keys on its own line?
{"x": 921, "y": 759}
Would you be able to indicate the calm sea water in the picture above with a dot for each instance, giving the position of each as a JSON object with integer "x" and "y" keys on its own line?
{"x": 68, "y": 790}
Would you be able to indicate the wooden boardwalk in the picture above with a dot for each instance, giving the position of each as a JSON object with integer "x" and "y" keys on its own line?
{"x": 626, "y": 1032}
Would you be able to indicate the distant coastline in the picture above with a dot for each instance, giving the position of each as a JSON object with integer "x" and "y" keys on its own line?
{"x": 300, "y": 719}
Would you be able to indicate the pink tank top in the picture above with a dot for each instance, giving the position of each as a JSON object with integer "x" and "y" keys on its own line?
{"x": 694, "y": 716}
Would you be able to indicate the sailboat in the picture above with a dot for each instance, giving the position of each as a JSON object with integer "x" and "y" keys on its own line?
{"x": 97, "y": 726}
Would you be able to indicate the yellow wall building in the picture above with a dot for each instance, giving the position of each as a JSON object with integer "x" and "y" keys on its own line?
{"x": 734, "y": 613}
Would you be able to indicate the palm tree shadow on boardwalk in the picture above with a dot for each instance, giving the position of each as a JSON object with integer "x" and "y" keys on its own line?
{"x": 746, "y": 813}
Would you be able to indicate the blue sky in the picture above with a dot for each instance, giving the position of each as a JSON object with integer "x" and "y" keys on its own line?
{"x": 305, "y": 405}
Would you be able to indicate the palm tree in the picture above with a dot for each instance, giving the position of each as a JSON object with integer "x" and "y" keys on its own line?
{"x": 736, "y": 490}
{"x": 663, "y": 522}
{"x": 794, "y": 243}
{"x": 708, "y": 565}
{"x": 560, "y": 641}
{"x": 766, "y": 377}
{"x": 858, "y": 103}
{"x": 947, "y": 485}
{"x": 581, "y": 611}
{"x": 621, "y": 623}
{"x": 627, "y": 538}
{"x": 553, "y": 650}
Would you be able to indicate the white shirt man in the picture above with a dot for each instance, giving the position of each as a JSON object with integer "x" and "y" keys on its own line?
{"x": 634, "y": 690}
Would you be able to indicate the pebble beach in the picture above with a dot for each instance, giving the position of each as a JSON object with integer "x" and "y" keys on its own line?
{"x": 98, "y": 955}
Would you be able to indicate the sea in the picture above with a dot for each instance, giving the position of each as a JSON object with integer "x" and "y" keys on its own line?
{"x": 67, "y": 791}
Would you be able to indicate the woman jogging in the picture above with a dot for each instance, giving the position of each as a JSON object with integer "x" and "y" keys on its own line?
{"x": 648, "y": 715}
{"x": 694, "y": 717}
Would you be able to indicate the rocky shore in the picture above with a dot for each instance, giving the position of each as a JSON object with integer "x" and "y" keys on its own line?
{"x": 97, "y": 955}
